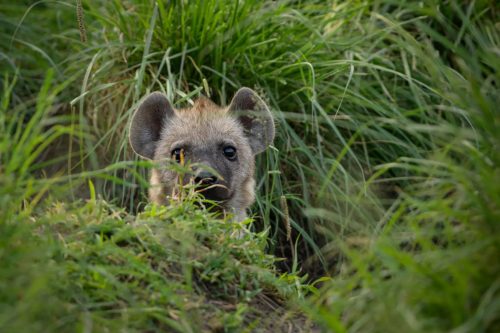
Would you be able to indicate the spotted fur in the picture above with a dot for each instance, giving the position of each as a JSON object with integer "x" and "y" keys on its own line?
{"x": 202, "y": 131}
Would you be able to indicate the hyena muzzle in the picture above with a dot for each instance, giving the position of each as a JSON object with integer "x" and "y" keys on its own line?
{"x": 220, "y": 144}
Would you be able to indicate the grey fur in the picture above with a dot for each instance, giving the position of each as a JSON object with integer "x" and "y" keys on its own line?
{"x": 203, "y": 131}
{"x": 148, "y": 122}
{"x": 255, "y": 117}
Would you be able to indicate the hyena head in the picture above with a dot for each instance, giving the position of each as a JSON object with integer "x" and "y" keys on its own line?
{"x": 220, "y": 144}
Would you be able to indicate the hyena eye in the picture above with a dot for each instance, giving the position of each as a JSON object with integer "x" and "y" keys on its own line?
{"x": 229, "y": 152}
{"x": 178, "y": 155}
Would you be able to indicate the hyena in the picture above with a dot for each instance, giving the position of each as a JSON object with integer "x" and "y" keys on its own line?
{"x": 223, "y": 139}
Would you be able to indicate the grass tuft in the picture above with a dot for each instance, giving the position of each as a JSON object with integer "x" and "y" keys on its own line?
{"x": 377, "y": 205}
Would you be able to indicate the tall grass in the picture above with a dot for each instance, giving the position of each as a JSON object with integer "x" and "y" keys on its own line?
{"x": 385, "y": 165}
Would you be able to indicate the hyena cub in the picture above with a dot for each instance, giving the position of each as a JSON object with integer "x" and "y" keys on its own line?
{"x": 219, "y": 142}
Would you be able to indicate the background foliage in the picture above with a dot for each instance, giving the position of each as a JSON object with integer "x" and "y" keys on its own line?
{"x": 378, "y": 205}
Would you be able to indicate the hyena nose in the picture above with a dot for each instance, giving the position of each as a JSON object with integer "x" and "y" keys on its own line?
{"x": 205, "y": 178}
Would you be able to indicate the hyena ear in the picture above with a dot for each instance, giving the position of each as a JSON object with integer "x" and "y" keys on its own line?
{"x": 147, "y": 124}
{"x": 253, "y": 113}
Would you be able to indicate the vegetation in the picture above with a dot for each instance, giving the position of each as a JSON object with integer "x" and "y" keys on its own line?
{"x": 378, "y": 205}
